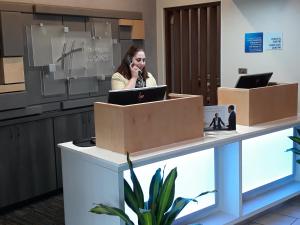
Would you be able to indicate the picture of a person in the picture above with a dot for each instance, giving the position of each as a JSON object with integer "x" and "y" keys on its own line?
{"x": 231, "y": 118}
{"x": 217, "y": 122}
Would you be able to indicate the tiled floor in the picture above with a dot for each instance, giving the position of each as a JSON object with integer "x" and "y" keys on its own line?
{"x": 48, "y": 210}
{"x": 286, "y": 214}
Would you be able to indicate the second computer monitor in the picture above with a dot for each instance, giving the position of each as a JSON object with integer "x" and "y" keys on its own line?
{"x": 253, "y": 80}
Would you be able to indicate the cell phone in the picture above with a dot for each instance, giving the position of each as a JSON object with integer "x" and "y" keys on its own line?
{"x": 130, "y": 64}
{"x": 129, "y": 60}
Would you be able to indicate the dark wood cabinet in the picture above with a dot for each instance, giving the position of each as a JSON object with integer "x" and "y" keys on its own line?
{"x": 30, "y": 161}
{"x": 9, "y": 176}
{"x": 91, "y": 123}
{"x": 27, "y": 161}
{"x": 68, "y": 128}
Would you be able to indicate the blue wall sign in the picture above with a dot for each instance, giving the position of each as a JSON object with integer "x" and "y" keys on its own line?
{"x": 254, "y": 42}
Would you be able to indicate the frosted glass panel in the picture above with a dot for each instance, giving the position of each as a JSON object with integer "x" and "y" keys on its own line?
{"x": 74, "y": 54}
{"x": 68, "y": 53}
{"x": 100, "y": 51}
{"x": 117, "y": 54}
{"x": 41, "y": 43}
{"x": 196, "y": 174}
{"x": 99, "y": 57}
{"x": 76, "y": 41}
{"x": 264, "y": 159}
{"x": 83, "y": 85}
{"x": 103, "y": 30}
{"x": 52, "y": 87}
{"x": 59, "y": 73}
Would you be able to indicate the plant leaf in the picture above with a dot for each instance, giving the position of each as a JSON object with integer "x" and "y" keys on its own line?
{"x": 295, "y": 139}
{"x": 166, "y": 195}
{"x": 146, "y": 217}
{"x": 294, "y": 150}
{"x": 103, "y": 209}
{"x": 130, "y": 198}
{"x": 176, "y": 208}
{"x": 137, "y": 190}
{"x": 298, "y": 161}
{"x": 204, "y": 193}
{"x": 155, "y": 186}
{"x": 153, "y": 218}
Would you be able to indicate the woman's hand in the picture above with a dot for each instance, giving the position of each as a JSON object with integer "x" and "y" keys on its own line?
{"x": 134, "y": 76}
{"x": 134, "y": 71}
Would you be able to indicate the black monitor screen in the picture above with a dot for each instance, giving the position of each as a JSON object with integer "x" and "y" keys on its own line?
{"x": 137, "y": 95}
{"x": 254, "y": 80}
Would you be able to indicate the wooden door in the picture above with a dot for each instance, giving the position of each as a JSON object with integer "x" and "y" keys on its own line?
{"x": 193, "y": 50}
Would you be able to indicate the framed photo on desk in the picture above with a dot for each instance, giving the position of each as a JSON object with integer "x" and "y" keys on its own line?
{"x": 217, "y": 118}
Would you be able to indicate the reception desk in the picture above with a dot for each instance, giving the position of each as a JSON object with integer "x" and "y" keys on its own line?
{"x": 248, "y": 167}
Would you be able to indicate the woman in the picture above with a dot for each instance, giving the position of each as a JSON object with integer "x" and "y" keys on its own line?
{"x": 132, "y": 72}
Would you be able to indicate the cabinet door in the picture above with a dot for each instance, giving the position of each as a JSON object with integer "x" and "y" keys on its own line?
{"x": 8, "y": 162}
{"x": 36, "y": 138}
{"x": 69, "y": 128}
{"x": 27, "y": 161}
{"x": 91, "y": 128}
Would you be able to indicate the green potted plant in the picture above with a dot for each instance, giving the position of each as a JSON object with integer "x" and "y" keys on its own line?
{"x": 160, "y": 209}
{"x": 295, "y": 150}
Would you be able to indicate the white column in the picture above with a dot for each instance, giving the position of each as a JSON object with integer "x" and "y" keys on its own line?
{"x": 229, "y": 178}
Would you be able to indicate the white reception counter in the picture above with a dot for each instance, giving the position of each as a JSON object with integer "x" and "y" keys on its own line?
{"x": 248, "y": 167}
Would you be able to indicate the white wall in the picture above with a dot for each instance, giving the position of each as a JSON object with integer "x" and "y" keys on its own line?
{"x": 149, "y": 14}
{"x": 239, "y": 17}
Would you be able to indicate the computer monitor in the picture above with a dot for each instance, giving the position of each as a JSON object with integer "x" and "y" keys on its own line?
{"x": 253, "y": 80}
{"x": 137, "y": 95}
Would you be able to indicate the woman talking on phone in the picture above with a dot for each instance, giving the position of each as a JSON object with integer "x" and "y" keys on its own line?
{"x": 132, "y": 72}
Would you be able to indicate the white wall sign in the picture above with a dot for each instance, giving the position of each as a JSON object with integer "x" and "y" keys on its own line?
{"x": 273, "y": 40}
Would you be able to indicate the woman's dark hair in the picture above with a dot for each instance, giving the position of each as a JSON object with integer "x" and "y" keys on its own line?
{"x": 124, "y": 67}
